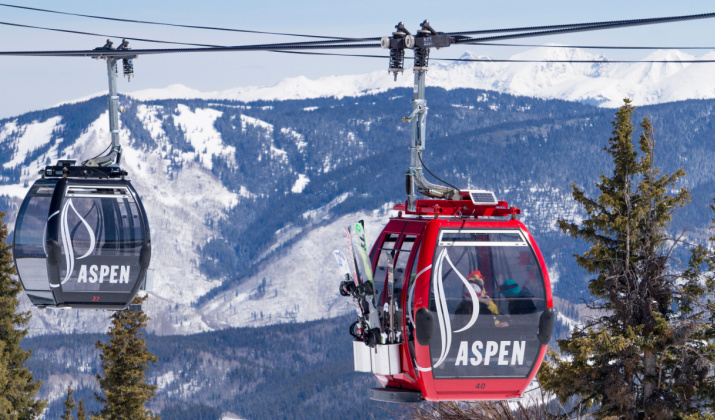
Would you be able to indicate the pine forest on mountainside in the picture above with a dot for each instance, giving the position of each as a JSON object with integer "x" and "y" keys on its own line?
{"x": 281, "y": 371}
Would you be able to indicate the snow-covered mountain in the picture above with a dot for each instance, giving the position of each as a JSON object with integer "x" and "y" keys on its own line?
{"x": 246, "y": 201}
{"x": 603, "y": 84}
{"x": 183, "y": 198}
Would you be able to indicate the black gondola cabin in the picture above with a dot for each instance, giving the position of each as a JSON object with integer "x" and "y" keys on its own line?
{"x": 82, "y": 239}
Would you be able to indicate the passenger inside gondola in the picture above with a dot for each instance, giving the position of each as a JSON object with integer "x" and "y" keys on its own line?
{"x": 487, "y": 307}
{"x": 521, "y": 301}
{"x": 478, "y": 267}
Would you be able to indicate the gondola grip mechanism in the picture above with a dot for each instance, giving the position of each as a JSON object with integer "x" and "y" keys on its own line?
{"x": 115, "y": 153}
{"x": 425, "y": 39}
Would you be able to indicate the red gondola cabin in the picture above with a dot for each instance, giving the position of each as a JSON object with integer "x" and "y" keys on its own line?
{"x": 474, "y": 304}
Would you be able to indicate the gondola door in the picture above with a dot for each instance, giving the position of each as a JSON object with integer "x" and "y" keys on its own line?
{"x": 29, "y": 242}
{"x": 401, "y": 238}
{"x": 482, "y": 290}
{"x": 413, "y": 236}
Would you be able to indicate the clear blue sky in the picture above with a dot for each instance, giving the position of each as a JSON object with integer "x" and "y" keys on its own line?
{"x": 35, "y": 83}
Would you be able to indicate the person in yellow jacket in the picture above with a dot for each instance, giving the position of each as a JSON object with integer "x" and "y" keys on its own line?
{"x": 486, "y": 304}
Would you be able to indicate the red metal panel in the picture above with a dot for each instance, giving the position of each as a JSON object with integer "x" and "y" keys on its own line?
{"x": 453, "y": 389}
{"x": 424, "y": 269}
{"x": 413, "y": 228}
{"x": 406, "y": 379}
{"x": 459, "y": 208}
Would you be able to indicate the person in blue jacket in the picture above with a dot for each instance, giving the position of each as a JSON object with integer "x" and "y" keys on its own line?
{"x": 520, "y": 300}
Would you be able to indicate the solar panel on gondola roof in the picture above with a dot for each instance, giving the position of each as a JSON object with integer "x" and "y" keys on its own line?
{"x": 483, "y": 197}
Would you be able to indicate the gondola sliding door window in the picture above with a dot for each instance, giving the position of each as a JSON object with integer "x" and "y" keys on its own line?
{"x": 380, "y": 274}
{"x": 487, "y": 328}
{"x": 410, "y": 302}
{"x": 30, "y": 235}
{"x": 101, "y": 238}
{"x": 402, "y": 257}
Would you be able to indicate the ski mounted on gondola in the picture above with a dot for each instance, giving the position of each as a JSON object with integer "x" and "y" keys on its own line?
{"x": 367, "y": 326}
{"x": 461, "y": 299}
{"x": 82, "y": 236}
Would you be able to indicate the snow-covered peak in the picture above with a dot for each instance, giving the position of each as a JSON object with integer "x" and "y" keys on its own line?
{"x": 548, "y": 53}
{"x": 175, "y": 91}
{"x": 605, "y": 83}
{"x": 469, "y": 55}
{"x": 290, "y": 88}
{"x": 670, "y": 55}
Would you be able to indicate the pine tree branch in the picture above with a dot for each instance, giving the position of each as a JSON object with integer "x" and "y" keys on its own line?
{"x": 700, "y": 356}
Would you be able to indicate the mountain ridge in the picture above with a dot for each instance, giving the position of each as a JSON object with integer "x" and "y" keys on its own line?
{"x": 603, "y": 84}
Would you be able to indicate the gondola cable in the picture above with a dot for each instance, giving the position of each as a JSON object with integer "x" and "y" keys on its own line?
{"x": 567, "y": 61}
{"x": 510, "y": 60}
{"x": 364, "y": 42}
{"x": 356, "y": 39}
{"x": 273, "y": 48}
{"x": 85, "y": 53}
{"x": 603, "y": 24}
{"x": 594, "y": 47}
{"x": 104, "y": 53}
{"x": 590, "y": 27}
{"x": 214, "y": 28}
{"x": 70, "y": 31}
{"x": 459, "y": 33}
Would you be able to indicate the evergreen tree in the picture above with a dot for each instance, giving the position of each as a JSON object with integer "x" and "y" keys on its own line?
{"x": 125, "y": 360}
{"x": 480, "y": 410}
{"x": 81, "y": 411}
{"x": 17, "y": 389}
{"x": 645, "y": 354}
{"x": 69, "y": 404}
